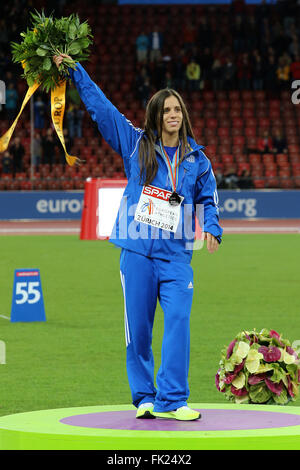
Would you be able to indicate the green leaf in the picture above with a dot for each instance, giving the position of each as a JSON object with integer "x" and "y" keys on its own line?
{"x": 30, "y": 81}
{"x": 239, "y": 381}
{"x": 282, "y": 399}
{"x": 45, "y": 46}
{"x": 72, "y": 31}
{"x": 47, "y": 64}
{"x": 74, "y": 48}
{"x": 41, "y": 51}
{"x": 253, "y": 361}
{"x": 242, "y": 349}
{"x": 259, "y": 393}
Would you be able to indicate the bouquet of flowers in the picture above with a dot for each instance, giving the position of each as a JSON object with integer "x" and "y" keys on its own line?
{"x": 259, "y": 368}
{"x": 48, "y": 37}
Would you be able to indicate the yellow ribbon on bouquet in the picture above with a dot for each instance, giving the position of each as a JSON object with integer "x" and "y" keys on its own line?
{"x": 4, "y": 140}
{"x": 58, "y": 103}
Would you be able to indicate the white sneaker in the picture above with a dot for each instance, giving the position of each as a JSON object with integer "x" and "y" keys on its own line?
{"x": 145, "y": 411}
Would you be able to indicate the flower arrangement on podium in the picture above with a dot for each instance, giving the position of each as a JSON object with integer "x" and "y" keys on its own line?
{"x": 47, "y": 37}
{"x": 259, "y": 367}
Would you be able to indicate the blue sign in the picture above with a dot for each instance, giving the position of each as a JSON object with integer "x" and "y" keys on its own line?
{"x": 54, "y": 205}
{"x": 272, "y": 204}
{"x": 27, "y": 299}
{"x": 66, "y": 205}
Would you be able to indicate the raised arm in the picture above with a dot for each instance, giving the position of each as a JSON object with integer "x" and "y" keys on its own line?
{"x": 118, "y": 131}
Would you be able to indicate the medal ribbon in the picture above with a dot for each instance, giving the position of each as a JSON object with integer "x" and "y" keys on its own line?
{"x": 58, "y": 102}
{"x": 172, "y": 166}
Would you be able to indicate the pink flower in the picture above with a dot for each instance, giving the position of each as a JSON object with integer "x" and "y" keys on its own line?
{"x": 253, "y": 340}
{"x": 274, "y": 387}
{"x": 239, "y": 367}
{"x": 239, "y": 393}
{"x": 291, "y": 352}
{"x": 276, "y": 335}
{"x": 271, "y": 353}
{"x": 255, "y": 379}
{"x": 229, "y": 378}
{"x": 230, "y": 349}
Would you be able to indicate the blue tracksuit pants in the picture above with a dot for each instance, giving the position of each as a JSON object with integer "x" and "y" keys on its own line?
{"x": 144, "y": 281}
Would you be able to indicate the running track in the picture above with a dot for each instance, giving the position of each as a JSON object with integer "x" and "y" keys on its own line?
{"x": 66, "y": 227}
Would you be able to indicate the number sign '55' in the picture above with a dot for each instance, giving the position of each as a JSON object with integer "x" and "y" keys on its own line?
{"x": 27, "y": 300}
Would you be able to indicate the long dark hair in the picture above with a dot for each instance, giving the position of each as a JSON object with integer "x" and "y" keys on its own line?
{"x": 153, "y": 131}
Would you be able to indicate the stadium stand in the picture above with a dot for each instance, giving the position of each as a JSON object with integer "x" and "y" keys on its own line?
{"x": 229, "y": 116}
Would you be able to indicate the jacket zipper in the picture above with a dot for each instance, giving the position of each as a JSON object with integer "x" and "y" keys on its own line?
{"x": 169, "y": 184}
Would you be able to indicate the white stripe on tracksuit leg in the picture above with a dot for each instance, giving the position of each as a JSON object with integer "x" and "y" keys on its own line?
{"x": 127, "y": 336}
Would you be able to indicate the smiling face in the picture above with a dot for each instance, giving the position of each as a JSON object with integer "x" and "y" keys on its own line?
{"x": 172, "y": 116}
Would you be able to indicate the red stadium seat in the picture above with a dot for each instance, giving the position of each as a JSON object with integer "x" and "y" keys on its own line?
{"x": 236, "y": 105}
{"x": 297, "y": 181}
{"x": 272, "y": 182}
{"x": 238, "y": 140}
{"x": 284, "y": 172}
{"x": 286, "y": 183}
{"x": 259, "y": 95}
{"x": 247, "y": 95}
{"x": 210, "y": 150}
{"x": 293, "y": 148}
{"x": 242, "y": 158}
{"x": 282, "y": 159}
{"x": 226, "y": 140}
{"x": 214, "y": 140}
{"x": 271, "y": 172}
{"x": 250, "y": 122}
{"x": 198, "y": 122}
{"x": 227, "y": 159}
{"x": 259, "y": 183}
{"x": 223, "y": 131}
{"x": 237, "y": 132}
{"x": 224, "y": 149}
{"x": 237, "y": 122}
{"x": 248, "y": 113}
{"x": 54, "y": 185}
{"x": 268, "y": 159}
{"x": 255, "y": 158}
{"x": 234, "y": 113}
{"x": 237, "y": 149}
{"x": 264, "y": 122}
{"x": 250, "y": 131}
{"x": 242, "y": 167}
{"x": 223, "y": 104}
{"x": 234, "y": 95}
{"x": 26, "y": 185}
{"x": 212, "y": 122}
{"x": 209, "y": 131}
{"x": 208, "y": 96}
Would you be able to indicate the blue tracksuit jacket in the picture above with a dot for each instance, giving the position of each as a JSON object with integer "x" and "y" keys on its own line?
{"x": 154, "y": 266}
{"x": 196, "y": 181}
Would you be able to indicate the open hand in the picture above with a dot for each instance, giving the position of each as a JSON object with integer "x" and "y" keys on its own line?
{"x": 211, "y": 242}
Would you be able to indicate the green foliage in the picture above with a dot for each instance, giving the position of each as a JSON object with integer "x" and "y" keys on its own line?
{"x": 48, "y": 37}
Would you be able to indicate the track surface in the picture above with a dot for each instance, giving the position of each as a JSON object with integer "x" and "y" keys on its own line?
{"x": 68, "y": 227}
